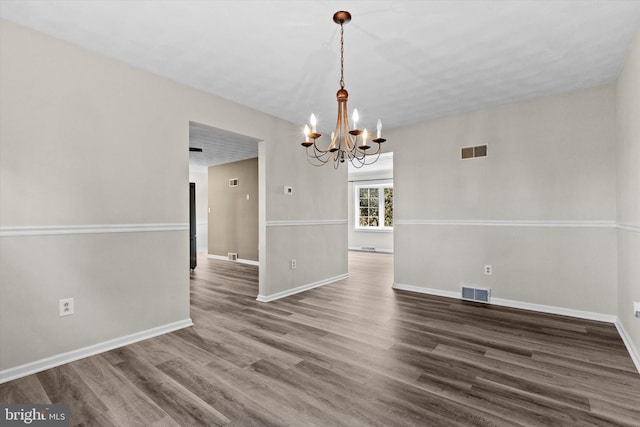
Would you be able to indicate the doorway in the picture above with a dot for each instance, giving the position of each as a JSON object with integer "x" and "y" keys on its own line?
{"x": 221, "y": 208}
{"x": 370, "y": 211}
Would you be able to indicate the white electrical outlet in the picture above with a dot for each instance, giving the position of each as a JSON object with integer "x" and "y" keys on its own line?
{"x": 292, "y": 264}
{"x": 636, "y": 308}
{"x": 65, "y": 306}
{"x": 488, "y": 270}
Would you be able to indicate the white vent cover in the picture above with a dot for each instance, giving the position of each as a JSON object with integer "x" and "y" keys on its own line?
{"x": 232, "y": 256}
{"x": 476, "y": 294}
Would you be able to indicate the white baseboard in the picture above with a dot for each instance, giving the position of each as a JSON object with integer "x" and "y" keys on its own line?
{"x": 562, "y": 311}
{"x": 240, "y": 260}
{"x": 633, "y": 352}
{"x": 609, "y": 318}
{"x": 70, "y": 356}
{"x": 428, "y": 291}
{"x": 289, "y": 292}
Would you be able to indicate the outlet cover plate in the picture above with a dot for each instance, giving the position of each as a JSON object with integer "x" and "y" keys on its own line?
{"x": 65, "y": 307}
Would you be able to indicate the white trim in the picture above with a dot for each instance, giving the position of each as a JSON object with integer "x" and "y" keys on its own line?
{"x": 428, "y": 291}
{"x": 48, "y": 230}
{"x": 609, "y": 318}
{"x": 508, "y": 223}
{"x": 240, "y": 260}
{"x": 306, "y": 222}
{"x": 289, "y": 292}
{"x": 629, "y": 227}
{"x": 70, "y": 356}
{"x": 382, "y": 229}
{"x": 376, "y": 250}
{"x": 562, "y": 311}
{"x": 633, "y": 352}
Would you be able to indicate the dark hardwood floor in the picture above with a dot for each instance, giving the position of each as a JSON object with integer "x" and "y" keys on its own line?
{"x": 351, "y": 353}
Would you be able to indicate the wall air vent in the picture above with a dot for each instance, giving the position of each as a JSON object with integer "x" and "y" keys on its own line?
{"x": 472, "y": 152}
{"x": 232, "y": 256}
{"x": 233, "y": 182}
{"x": 476, "y": 294}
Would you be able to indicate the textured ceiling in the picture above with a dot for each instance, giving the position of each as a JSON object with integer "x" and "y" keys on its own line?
{"x": 405, "y": 61}
{"x": 218, "y": 146}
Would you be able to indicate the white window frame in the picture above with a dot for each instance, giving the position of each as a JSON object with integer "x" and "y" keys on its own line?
{"x": 356, "y": 197}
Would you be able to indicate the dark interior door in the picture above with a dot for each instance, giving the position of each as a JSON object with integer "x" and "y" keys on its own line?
{"x": 192, "y": 225}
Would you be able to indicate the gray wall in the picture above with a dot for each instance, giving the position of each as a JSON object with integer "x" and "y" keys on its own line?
{"x": 628, "y": 195}
{"x": 540, "y": 209}
{"x": 88, "y": 141}
{"x": 233, "y": 220}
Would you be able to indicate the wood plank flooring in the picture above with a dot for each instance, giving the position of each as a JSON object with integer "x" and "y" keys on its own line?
{"x": 349, "y": 354}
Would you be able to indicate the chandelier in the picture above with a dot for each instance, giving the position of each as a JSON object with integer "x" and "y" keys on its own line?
{"x": 346, "y": 144}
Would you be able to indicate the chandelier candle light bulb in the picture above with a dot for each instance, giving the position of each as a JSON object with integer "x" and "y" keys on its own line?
{"x": 364, "y": 145}
{"x": 313, "y": 122}
{"x": 344, "y": 142}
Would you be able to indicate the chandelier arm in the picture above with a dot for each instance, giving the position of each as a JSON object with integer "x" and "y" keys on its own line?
{"x": 356, "y": 161}
{"x": 336, "y": 141}
{"x": 318, "y": 150}
{"x": 357, "y": 165}
{"x": 321, "y": 160}
{"x": 348, "y": 141}
{"x": 370, "y": 157}
{"x": 322, "y": 156}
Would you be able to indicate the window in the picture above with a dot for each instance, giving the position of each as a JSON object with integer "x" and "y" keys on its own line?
{"x": 374, "y": 207}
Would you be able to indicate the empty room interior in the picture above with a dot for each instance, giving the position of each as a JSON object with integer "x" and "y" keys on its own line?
{"x": 463, "y": 249}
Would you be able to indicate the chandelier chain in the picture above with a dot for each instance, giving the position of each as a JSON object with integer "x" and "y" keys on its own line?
{"x": 341, "y": 56}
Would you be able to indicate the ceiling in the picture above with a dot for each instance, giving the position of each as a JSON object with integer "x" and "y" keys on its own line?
{"x": 405, "y": 61}
{"x": 218, "y": 147}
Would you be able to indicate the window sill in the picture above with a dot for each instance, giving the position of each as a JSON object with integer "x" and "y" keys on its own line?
{"x": 373, "y": 230}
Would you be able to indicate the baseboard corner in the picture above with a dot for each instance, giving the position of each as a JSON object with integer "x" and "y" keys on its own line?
{"x": 297, "y": 290}
{"x": 626, "y": 339}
